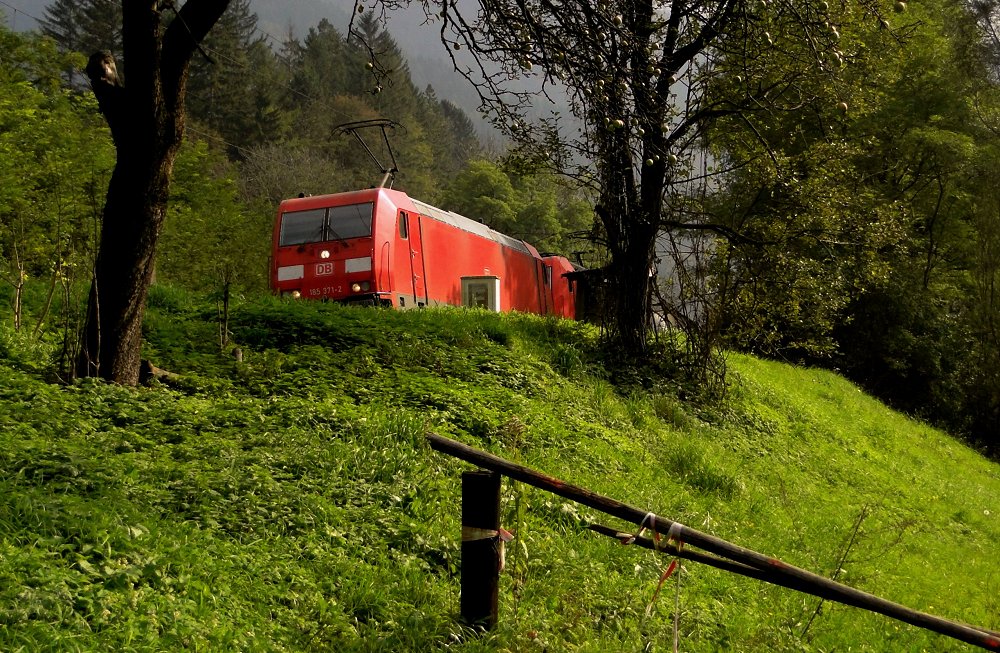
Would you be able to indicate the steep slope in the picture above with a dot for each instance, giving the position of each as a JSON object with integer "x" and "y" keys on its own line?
{"x": 289, "y": 501}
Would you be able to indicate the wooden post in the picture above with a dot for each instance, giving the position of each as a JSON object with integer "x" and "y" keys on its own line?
{"x": 481, "y": 547}
{"x": 770, "y": 569}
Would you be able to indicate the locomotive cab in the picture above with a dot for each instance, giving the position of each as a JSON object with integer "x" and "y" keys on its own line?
{"x": 323, "y": 249}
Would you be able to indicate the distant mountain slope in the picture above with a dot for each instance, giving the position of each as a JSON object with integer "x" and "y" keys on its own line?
{"x": 278, "y": 19}
{"x": 418, "y": 40}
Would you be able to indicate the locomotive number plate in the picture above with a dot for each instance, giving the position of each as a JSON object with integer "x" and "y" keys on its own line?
{"x": 323, "y": 269}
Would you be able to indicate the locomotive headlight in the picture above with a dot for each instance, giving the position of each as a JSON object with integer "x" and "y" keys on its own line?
{"x": 365, "y": 286}
{"x": 296, "y": 294}
{"x": 356, "y": 287}
{"x": 324, "y": 254}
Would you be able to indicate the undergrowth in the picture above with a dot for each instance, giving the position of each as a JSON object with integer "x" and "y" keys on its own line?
{"x": 287, "y": 500}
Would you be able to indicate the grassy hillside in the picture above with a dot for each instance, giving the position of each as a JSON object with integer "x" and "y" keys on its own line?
{"x": 289, "y": 502}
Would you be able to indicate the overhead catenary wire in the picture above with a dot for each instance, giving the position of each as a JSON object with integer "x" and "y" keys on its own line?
{"x": 17, "y": 10}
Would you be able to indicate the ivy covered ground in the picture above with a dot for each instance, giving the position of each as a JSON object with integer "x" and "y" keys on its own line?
{"x": 289, "y": 501}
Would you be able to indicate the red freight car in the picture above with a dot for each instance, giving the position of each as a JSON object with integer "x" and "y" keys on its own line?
{"x": 379, "y": 246}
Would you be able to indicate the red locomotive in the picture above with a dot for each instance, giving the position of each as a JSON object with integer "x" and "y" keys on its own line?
{"x": 381, "y": 247}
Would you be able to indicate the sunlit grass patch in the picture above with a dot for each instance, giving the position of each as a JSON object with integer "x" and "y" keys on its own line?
{"x": 289, "y": 501}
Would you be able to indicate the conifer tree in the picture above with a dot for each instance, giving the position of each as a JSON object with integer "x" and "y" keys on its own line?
{"x": 234, "y": 88}
{"x": 85, "y": 26}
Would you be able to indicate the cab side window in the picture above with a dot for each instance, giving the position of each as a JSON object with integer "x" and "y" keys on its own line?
{"x": 404, "y": 226}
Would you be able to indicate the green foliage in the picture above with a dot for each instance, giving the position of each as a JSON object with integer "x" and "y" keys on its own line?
{"x": 23, "y": 350}
{"x": 812, "y": 234}
{"x": 288, "y": 501}
{"x": 334, "y": 82}
{"x": 920, "y": 319}
{"x": 217, "y": 231}
{"x": 918, "y": 364}
{"x": 220, "y": 99}
{"x": 55, "y": 158}
{"x": 864, "y": 223}
{"x": 210, "y": 239}
{"x": 533, "y": 207}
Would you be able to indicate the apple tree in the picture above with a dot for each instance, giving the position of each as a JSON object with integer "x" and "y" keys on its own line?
{"x": 632, "y": 102}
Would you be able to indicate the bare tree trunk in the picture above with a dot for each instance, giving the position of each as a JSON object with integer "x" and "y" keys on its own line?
{"x": 112, "y": 342}
{"x": 632, "y": 243}
{"x": 146, "y": 119}
{"x": 18, "y": 299}
{"x": 17, "y": 280}
{"x": 629, "y": 274}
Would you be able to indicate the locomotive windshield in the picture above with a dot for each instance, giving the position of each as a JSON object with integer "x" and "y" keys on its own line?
{"x": 333, "y": 223}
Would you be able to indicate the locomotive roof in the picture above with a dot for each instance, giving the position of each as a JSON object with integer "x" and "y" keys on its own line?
{"x": 466, "y": 224}
{"x": 448, "y": 217}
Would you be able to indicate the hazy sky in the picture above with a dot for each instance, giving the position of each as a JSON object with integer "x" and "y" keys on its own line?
{"x": 19, "y": 15}
{"x": 276, "y": 18}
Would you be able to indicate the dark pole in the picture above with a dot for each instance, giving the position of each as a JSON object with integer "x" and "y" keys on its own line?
{"x": 831, "y": 590}
{"x": 481, "y": 547}
{"x": 671, "y": 549}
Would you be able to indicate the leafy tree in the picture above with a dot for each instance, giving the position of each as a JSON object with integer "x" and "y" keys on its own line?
{"x": 271, "y": 173}
{"x": 979, "y": 414}
{"x": 146, "y": 118}
{"x": 799, "y": 230}
{"x": 867, "y": 225}
{"x": 485, "y": 193}
{"x": 637, "y": 78}
{"x": 53, "y": 154}
{"x": 910, "y": 336}
{"x": 210, "y": 240}
{"x": 534, "y": 208}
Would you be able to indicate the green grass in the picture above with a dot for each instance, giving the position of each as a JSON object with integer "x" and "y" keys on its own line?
{"x": 289, "y": 502}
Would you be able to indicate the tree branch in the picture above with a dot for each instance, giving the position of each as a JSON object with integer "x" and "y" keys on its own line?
{"x": 728, "y": 233}
{"x": 109, "y": 91}
{"x": 186, "y": 32}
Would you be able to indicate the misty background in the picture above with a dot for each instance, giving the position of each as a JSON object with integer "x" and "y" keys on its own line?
{"x": 278, "y": 19}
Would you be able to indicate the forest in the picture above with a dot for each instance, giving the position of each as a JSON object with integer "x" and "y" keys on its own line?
{"x": 829, "y": 194}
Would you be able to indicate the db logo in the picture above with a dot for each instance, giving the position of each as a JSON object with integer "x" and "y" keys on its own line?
{"x": 325, "y": 268}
